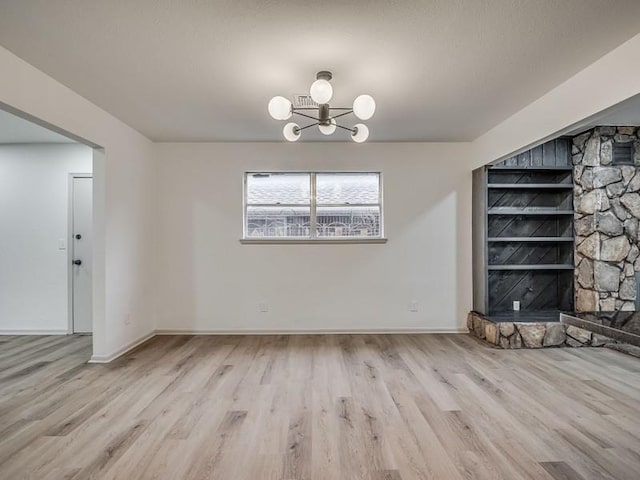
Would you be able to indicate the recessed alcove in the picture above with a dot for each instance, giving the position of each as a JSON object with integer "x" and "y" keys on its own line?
{"x": 523, "y": 233}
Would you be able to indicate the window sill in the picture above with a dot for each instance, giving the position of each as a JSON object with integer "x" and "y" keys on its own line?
{"x": 311, "y": 241}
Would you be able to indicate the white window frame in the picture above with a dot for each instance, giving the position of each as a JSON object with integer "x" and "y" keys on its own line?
{"x": 312, "y": 238}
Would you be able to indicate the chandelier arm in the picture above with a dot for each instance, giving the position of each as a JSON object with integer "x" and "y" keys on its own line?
{"x": 295, "y": 109}
{"x": 307, "y": 116}
{"x": 308, "y": 126}
{"x": 352, "y": 130}
{"x": 341, "y": 114}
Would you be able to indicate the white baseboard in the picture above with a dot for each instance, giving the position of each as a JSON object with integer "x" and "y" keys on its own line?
{"x": 118, "y": 353}
{"x": 383, "y": 331}
{"x": 346, "y": 331}
{"x": 34, "y": 332}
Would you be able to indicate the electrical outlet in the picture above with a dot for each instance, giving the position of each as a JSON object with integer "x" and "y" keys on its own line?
{"x": 516, "y": 305}
{"x": 263, "y": 307}
{"x": 413, "y": 306}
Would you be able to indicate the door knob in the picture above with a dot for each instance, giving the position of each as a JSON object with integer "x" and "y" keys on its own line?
{"x": 78, "y": 236}
{"x": 77, "y": 262}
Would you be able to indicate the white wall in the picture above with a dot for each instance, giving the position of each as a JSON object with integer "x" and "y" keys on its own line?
{"x": 34, "y": 206}
{"x": 208, "y": 281}
{"x": 124, "y": 201}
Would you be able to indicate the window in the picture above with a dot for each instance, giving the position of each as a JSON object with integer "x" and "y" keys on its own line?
{"x": 313, "y": 206}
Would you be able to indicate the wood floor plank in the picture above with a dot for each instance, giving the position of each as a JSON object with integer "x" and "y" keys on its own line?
{"x": 561, "y": 471}
{"x": 312, "y": 407}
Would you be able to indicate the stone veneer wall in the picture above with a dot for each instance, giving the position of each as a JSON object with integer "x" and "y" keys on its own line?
{"x": 607, "y": 209}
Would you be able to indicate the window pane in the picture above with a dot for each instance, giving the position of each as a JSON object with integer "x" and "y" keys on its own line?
{"x": 348, "y": 221}
{"x": 278, "y": 188}
{"x": 345, "y": 188}
{"x": 278, "y": 221}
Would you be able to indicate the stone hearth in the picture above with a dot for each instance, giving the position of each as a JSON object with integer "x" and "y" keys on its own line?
{"x": 510, "y": 335}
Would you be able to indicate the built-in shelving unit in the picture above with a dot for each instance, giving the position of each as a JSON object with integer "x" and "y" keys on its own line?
{"x": 523, "y": 231}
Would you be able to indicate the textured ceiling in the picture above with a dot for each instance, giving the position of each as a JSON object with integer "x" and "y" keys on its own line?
{"x": 14, "y": 129}
{"x": 198, "y": 70}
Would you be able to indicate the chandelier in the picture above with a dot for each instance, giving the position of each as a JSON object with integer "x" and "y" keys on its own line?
{"x": 321, "y": 92}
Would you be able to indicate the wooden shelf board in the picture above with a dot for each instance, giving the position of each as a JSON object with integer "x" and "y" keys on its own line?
{"x": 531, "y": 186}
{"x": 530, "y": 239}
{"x": 524, "y": 211}
{"x": 536, "y": 168}
{"x": 532, "y": 267}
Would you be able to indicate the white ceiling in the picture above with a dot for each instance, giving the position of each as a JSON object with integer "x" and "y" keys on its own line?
{"x": 204, "y": 70}
{"x": 14, "y": 129}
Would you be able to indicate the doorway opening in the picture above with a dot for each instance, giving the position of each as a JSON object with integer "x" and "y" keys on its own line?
{"x": 44, "y": 205}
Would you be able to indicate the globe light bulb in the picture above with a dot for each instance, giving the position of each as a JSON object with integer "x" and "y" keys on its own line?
{"x": 361, "y": 133}
{"x": 280, "y": 108}
{"x": 328, "y": 129}
{"x": 364, "y": 107}
{"x": 321, "y": 91}
{"x": 291, "y": 132}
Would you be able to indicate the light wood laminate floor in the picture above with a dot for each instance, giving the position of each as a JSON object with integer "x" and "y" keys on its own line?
{"x": 378, "y": 407}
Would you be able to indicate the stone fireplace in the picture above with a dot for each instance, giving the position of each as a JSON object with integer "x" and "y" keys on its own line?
{"x": 567, "y": 214}
{"x": 607, "y": 212}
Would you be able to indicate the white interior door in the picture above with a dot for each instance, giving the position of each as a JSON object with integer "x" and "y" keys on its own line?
{"x": 81, "y": 240}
